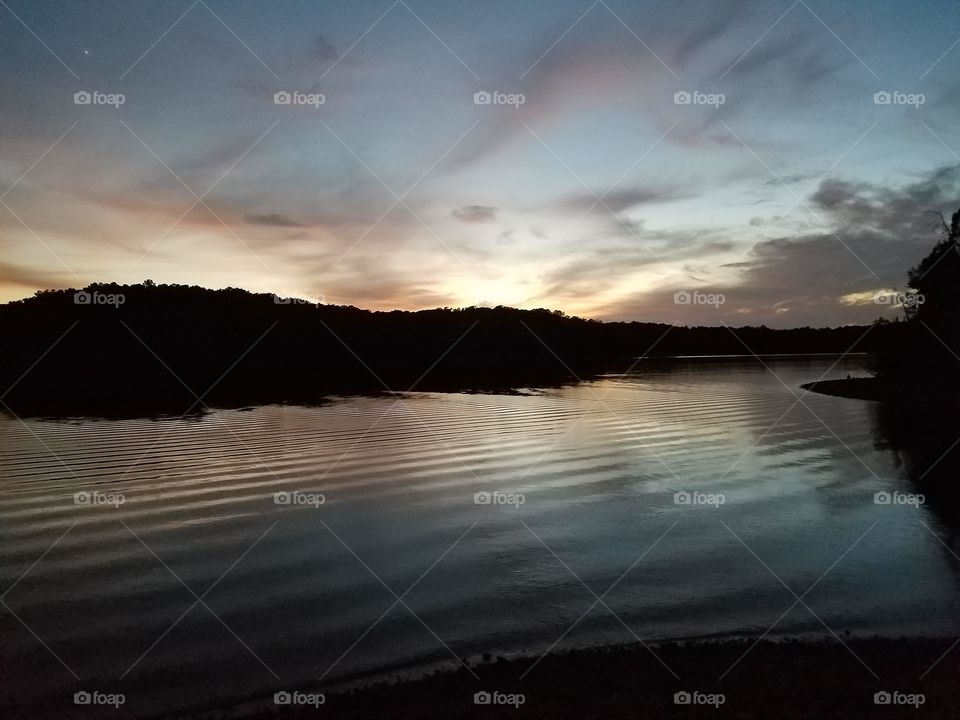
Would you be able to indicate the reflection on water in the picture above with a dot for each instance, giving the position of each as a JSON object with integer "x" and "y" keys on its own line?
{"x": 182, "y": 582}
{"x": 924, "y": 441}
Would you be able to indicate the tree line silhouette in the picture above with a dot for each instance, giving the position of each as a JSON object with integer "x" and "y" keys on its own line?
{"x": 147, "y": 348}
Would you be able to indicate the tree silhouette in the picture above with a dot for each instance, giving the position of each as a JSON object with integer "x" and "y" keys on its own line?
{"x": 937, "y": 279}
{"x": 928, "y": 353}
{"x": 920, "y": 379}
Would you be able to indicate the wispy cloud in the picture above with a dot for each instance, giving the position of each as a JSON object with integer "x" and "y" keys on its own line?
{"x": 274, "y": 220}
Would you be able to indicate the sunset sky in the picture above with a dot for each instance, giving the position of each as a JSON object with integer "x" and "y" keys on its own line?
{"x": 798, "y": 198}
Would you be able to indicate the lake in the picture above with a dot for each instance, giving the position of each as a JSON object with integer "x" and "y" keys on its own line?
{"x": 213, "y": 560}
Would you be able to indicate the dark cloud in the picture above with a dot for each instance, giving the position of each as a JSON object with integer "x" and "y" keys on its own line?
{"x": 475, "y": 214}
{"x": 323, "y": 51}
{"x": 790, "y": 179}
{"x": 903, "y": 212}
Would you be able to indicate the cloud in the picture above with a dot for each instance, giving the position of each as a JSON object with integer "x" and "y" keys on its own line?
{"x": 818, "y": 277}
{"x": 475, "y": 214}
{"x": 714, "y": 23}
{"x": 904, "y": 212}
{"x": 384, "y": 291}
{"x": 323, "y": 51}
{"x": 620, "y": 200}
{"x": 13, "y": 275}
{"x": 790, "y": 179}
{"x": 560, "y": 82}
{"x": 592, "y": 270}
{"x": 866, "y": 297}
{"x": 273, "y": 220}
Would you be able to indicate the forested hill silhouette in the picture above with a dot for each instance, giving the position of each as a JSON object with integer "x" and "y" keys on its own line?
{"x": 141, "y": 349}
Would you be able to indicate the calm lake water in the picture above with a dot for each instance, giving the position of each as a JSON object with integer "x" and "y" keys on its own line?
{"x": 290, "y": 595}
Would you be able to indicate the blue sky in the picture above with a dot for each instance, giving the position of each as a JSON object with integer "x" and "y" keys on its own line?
{"x": 795, "y": 195}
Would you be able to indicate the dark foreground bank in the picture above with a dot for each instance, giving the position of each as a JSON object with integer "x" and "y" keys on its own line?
{"x": 733, "y": 679}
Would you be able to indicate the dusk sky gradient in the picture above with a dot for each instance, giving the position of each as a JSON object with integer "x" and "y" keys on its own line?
{"x": 799, "y": 198}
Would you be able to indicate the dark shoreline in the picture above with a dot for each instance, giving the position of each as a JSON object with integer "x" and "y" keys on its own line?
{"x": 784, "y": 679}
{"x": 772, "y": 680}
{"x": 926, "y": 394}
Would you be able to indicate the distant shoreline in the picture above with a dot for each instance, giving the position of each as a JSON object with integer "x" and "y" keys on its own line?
{"x": 849, "y": 388}
{"x": 740, "y": 356}
{"x": 140, "y": 350}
